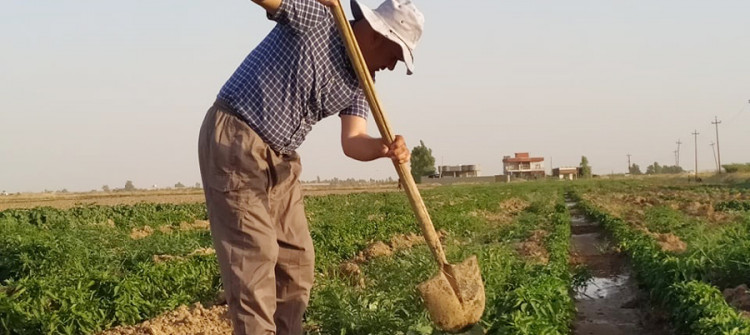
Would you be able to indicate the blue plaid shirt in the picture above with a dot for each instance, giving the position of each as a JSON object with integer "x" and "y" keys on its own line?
{"x": 295, "y": 77}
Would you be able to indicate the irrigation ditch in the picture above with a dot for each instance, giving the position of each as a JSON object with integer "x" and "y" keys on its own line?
{"x": 609, "y": 302}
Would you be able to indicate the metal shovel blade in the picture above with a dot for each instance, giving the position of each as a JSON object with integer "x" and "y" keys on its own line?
{"x": 455, "y": 296}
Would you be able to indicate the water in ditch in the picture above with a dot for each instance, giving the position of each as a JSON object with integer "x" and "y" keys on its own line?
{"x": 610, "y": 302}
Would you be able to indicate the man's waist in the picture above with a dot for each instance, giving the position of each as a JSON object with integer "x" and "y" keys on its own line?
{"x": 226, "y": 106}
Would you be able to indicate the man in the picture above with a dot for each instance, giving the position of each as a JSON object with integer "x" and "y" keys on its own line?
{"x": 296, "y": 76}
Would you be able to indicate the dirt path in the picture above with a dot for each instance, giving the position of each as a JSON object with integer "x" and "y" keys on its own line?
{"x": 610, "y": 303}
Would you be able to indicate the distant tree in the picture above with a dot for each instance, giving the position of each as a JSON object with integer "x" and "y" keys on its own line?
{"x": 65, "y": 190}
{"x": 422, "y": 162}
{"x": 663, "y": 169}
{"x": 736, "y": 167}
{"x": 673, "y": 169}
{"x": 654, "y": 169}
{"x": 105, "y": 188}
{"x": 635, "y": 169}
{"x": 129, "y": 186}
{"x": 179, "y": 185}
{"x": 197, "y": 185}
{"x": 585, "y": 168}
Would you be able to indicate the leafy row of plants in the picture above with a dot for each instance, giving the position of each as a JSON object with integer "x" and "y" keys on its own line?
{"x": 677, "y": 282}
{"x": 77, "y": 271}
{"x": 733, "y": 205}
{"x": 123, "y": 216}
{"x": 522, "y": 297}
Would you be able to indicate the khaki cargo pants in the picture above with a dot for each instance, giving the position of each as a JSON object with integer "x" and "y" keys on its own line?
{"x": 258, "y": 225}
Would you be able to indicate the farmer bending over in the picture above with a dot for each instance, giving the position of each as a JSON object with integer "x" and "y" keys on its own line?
{"x": 297, "y": 75}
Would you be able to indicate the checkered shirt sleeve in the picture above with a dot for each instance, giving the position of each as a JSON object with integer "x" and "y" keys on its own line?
{"x": 298, "y": 75}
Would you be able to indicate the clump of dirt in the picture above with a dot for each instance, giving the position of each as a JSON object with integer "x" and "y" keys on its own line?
{"x": 397, "y": 243}
{"x": 202, "y": 252}
{"x": 146, "y": 231}
{"x": 405, "y": 241}
{"x": 353, "y": 273}
{"x": 533, "y": 248}
{"x": 194, "y": 320}
{"x": 739, "y": 298}
{"x": 351, "y": 269}
{"x": 109, "y": 223}
{"x": 670, "y": 242}
{"x": 196, "y": 225}
{"x": 374, "y": 250}
{"x": 514, "y": 205}
{"x": 158, "y": 259}
{"x": 139, "y": 233}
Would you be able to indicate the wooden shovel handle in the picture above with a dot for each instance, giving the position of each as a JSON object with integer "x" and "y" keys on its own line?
{"x": 365, "y": 80}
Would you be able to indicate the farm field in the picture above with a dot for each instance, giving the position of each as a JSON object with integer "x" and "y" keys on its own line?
{"x": 148, "y": 268}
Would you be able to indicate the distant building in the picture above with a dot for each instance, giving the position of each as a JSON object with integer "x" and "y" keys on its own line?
{"x": 569, "y": 173}
{"x": 458, "y": 171}
{"x": 523, "y": 166}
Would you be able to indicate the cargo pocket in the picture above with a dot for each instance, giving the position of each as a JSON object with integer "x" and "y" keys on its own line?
{"x": 232, "y": 155}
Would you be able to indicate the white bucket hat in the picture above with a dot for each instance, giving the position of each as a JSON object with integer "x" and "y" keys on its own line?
{"x": 398, "y": 20}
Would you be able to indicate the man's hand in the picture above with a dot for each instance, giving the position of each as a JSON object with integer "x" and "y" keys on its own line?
{"x": 397, "y": 151}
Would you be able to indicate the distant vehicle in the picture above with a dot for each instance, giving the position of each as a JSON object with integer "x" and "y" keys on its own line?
{"x": 434, "y": 175}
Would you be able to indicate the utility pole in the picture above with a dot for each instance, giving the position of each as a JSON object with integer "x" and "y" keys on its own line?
{"x": 695, "y": 134}
{"x": 718, "y": 149}
{"x": 714, "y": 150}
{"x": 678, "y": 151}
{"x": 629, "y": 163}
{"x": 676, "y": 159}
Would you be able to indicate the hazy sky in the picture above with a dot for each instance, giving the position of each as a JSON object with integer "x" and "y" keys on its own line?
{"x": 99, "y": 92}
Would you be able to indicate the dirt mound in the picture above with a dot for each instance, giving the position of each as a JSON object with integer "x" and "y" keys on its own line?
{"x": 533, "y": 249}
{"x": 670, "y": 242}
{"x": 158, "y": 259}
{"x": 514, "y": 205}
{"x": 197, "y": 252}
{"x": 405, "y": 241}
{"x": 196, "y": 225}
{"x": 739, "y": 298}
{"x": 397, "y": 243}
{"x": 139, "y": 233}
{"x": 195, "y": 320}
{"x": 377, "y": 249}
{"x": 146, "y": 231}
{"x": 202, "y": 252}
{"x": 351, "y": 271}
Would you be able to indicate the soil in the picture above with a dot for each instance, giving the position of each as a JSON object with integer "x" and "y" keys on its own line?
{"x": 139, "y": 233}
{"x": 739, "y": 298}
{"x": 195, "y": 320}
{"x": 146, "y": 231}
{"x": 514, "y": 205}
{"x": 533, "y": 249}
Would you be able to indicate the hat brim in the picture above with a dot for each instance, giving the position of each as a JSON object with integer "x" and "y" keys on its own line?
{"x": 379, "y": 25}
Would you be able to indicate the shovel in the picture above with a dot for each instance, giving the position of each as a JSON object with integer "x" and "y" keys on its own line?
{"x": 455, "y": 296}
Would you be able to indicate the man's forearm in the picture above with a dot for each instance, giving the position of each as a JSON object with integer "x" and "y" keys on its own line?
{"x": 364, "y": 148}
{"x": 271, "y": 6}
